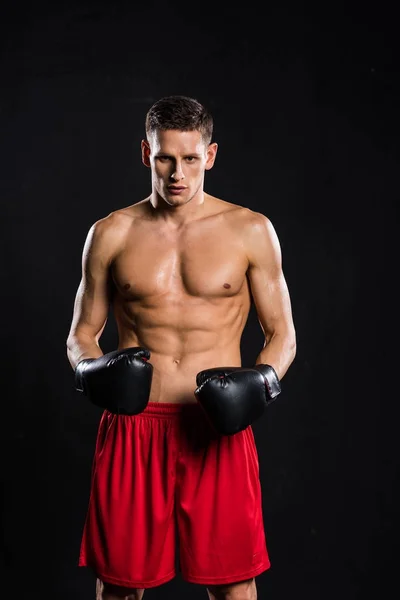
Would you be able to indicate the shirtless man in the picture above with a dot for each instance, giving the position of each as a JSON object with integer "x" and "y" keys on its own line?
{"x": 175, "y": 452}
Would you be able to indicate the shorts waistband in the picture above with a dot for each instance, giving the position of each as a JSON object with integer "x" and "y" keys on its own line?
{"x": 171, "y": 408}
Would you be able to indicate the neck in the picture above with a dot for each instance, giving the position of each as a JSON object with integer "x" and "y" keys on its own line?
{"x": 178, "y": 215}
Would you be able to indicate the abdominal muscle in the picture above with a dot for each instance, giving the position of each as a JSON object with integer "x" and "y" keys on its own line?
{"x": 178, "y": 353}
{"x": 174, "y": 380}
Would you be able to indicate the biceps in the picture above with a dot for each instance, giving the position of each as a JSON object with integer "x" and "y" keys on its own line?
{"x": 91, "y": 307}
{"x": 272, "y": 302}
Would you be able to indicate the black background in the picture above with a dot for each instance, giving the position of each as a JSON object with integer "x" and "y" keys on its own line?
{"x": 306, "y": 110}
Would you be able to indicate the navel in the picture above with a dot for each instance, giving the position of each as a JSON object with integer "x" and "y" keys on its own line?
{"x": 227, "y": 286}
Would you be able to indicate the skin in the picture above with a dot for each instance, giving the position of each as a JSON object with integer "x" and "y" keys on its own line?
{"x": 179, "y": 271}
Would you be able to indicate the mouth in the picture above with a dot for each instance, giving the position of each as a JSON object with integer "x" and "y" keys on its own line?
{"x": 176, "y": 189}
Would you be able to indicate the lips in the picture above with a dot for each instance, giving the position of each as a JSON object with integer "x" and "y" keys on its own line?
{"x": 176, "y": 190}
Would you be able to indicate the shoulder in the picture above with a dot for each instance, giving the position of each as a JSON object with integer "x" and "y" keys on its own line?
{"x": 107, "y": 235}
{"x": 253, "y": 220}
{"x": 253, "y": 226}
{"x": 258, "y": 235}
{"x": 236, "y": 213}
{"x": 118, "y": 222}
{"x": 249, "y": 221}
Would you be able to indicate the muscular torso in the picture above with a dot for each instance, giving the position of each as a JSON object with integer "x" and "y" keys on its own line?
{"x": 182, "y": 293}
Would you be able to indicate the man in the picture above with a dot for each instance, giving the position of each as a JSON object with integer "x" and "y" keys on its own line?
{"x": 175, "y": 452}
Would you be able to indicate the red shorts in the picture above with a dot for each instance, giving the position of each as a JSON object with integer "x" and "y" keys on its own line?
{"x": 164, "y": 476}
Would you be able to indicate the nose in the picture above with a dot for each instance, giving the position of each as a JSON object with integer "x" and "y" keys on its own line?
{"x": 178, "y": 174}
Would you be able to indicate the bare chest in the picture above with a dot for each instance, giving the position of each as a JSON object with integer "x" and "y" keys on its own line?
{"x": 206, "y": 263}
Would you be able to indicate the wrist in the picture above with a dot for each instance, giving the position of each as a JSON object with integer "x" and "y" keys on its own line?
{"x": 79, "y": 373}
{"x": 271, "y": 379}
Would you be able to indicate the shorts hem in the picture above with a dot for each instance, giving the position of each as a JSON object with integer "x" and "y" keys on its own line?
{"x": 227, "y": 579}
{"x": 130, "y": 583}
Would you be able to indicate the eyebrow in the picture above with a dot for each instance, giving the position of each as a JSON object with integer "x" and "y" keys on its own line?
{"x": 186, "y": 154}
{"x": 196, "y": 154}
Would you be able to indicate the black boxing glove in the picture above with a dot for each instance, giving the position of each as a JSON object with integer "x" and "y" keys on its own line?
{"x": 234, "y": 397}
{"x": 119, "y": 381}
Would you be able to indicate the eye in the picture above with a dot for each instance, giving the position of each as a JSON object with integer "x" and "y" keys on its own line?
{"x": 162, "y": 158}
{"x": 190, "y": 158}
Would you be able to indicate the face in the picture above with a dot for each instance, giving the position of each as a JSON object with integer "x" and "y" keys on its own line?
{"x": 178, "y": 161}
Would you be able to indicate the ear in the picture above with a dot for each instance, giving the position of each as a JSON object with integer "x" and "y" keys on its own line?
{"x": 145, "y": 146}
{"x": 211, "y": 155}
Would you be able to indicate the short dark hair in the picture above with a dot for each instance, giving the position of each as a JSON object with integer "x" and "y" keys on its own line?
{"x": 182, "y": 113}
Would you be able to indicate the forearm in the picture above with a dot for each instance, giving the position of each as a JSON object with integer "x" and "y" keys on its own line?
{"x": 82, "y": 346}
{"x": 279, "y": 352}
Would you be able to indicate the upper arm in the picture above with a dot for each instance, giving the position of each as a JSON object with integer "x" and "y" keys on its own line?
{"x": 267, "y": 282}
{"x": 92, "y": 298}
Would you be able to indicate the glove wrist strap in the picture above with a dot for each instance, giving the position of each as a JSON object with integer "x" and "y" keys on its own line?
{"x": 271, "y": 380}
{"x": 79, "y": 371}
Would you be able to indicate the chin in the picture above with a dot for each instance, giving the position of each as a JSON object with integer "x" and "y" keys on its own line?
{"x": 176, "y": 201}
